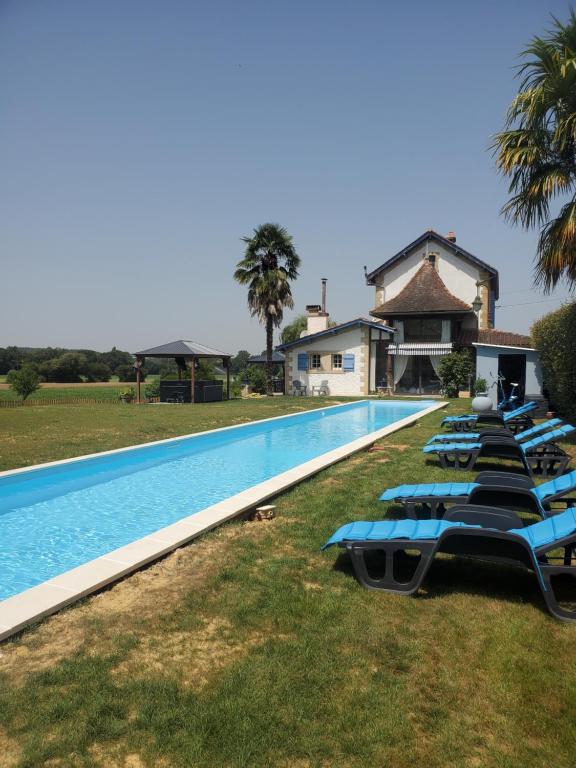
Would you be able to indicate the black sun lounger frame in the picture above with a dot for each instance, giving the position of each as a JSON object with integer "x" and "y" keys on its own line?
{"x": 495, "y": 489}
{"x": 546, "y": 460}
{"x": 490, "y": 545}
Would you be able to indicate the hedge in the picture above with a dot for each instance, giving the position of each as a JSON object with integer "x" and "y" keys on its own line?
{"x": 554, "y": 336}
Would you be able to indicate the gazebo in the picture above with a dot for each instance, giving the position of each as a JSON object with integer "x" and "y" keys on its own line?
{"x": 185, "y": 353}
{"x": 278, "y": 359}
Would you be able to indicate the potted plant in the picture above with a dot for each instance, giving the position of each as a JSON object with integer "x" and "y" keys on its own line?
{"x": 128, "y": 395}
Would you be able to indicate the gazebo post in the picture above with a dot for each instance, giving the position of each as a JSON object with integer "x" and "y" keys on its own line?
{"x": 192, "y": 372}
{"x": 226, "y": 362}
{"x": 138, "y": 378}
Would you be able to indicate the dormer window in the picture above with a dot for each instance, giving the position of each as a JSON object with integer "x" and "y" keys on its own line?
{"x": 432, "y": 258}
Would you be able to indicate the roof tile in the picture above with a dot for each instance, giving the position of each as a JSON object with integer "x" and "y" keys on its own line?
{"x": 424, "y": 293}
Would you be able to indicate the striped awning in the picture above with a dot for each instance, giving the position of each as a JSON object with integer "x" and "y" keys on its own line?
{"x": 420, "y": 349}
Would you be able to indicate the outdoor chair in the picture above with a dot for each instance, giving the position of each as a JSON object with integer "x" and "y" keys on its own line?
{"x": 395, "y": 556}
{"x": 527, "y": 434}
{"x": 298, "y": 388}
{"x": 492, "y": 489}
{"x": 515, "y": 420}
{"x": 539, "y": 456}
{"x": 321, "y": 389}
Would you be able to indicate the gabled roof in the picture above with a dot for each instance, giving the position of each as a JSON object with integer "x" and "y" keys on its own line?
{"x": 425, "y": 293}
{"x": 277, "y": 357}
{"x": 448, "y": 244}
{"x": 357, "y": 322}
{"x": 182, "y": 348}
{"x": 494, "y": 337}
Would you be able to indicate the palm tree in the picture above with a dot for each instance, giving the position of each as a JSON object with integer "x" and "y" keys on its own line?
{"x": 537, "y": 151}
{"x": 270, "y": 262}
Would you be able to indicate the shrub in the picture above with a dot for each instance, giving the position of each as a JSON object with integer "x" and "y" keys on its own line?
{"x": 235, "y": 389}
{"x": 455, "y": 371}
{"x": 153, "y": 389}
{"x": 554, "y": 336}
{"x": 256, "y": 377}
{"x": 24, "y": 382}
{"x": 480, "y": 386}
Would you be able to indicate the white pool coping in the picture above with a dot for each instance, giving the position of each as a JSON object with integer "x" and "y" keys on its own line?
{"x": 33, "y": 604}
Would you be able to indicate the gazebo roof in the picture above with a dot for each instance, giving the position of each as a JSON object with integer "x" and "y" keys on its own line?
{"x": 277, "y": 357}
{"x": 182, "y": 348}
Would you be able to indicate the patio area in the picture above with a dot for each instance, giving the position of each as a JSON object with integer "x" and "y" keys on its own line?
{"x": 251, "y": 647}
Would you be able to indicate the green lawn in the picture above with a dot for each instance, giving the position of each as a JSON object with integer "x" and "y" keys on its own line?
{"x": 67, "y": 393}
{"x": 250, "y": 647}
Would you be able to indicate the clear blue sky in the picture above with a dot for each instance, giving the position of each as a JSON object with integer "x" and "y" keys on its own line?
{"x": 141, "y": 139}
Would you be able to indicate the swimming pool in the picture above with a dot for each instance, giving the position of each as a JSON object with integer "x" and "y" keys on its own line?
{"x": 56, "y": 517}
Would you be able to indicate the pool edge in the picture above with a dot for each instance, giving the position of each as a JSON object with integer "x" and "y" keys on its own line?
{"x": 36, "y": 603}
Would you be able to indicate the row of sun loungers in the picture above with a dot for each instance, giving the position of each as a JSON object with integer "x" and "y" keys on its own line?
{"x": 515, "y": 420}
{"x": 477, "y": 519}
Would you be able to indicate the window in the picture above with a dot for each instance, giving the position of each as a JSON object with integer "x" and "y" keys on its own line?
{"x": 422, "y": 329}
{"x": 337, "y": 362}
{"x": 315, "y": 361}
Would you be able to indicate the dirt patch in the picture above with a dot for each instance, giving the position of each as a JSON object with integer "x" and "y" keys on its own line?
{"x": 191, "y": 657}
{"x": 132, "y": 606}
{"x": 117, "y": 756}
{"x": 9, "y": 750}
{"x": 311, "y": 585}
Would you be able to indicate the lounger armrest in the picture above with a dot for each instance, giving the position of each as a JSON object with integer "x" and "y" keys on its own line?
{"x": 497, "y": 440}
{"x": 504, "y": 496}
{"x": 495, "y": 432}
{"x": 487, "y": 517}
{"x": 505, "y": 479}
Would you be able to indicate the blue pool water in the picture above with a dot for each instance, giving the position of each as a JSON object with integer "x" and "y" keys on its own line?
{"x": 56, "y": 518}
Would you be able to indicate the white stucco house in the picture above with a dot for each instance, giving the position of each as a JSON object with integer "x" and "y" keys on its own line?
{"x": 338, "y": 361}
{"x": 430, "y": 298}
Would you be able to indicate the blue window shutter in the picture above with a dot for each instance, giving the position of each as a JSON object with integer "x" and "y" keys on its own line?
{"x": 348, "y": 362}
{"x": 302, "y": 361}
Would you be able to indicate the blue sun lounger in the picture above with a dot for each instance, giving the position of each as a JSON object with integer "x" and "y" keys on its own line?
{"x": 516, "y": 418}
{"x": 395, "y": 556}
{"x": 448, "y": 437}
{"x": 539, "y": 456}
{"x": 492, "y": 489}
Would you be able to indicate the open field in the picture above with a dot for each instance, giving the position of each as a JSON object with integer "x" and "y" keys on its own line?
{"x": 250, "y": 647}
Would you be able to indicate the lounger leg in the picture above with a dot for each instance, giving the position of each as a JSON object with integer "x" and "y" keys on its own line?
{"x": 458, "y": 461}
{"x": 548, "y": 571}
{"x": 388, "y": 582}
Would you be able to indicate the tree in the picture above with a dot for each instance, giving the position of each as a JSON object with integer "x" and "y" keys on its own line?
{"x": 239, "y": 362}
{"x": 97, "y": 372}
{"x": 69, "y": 367}
{"x": 537, "y": 151}
{"x": 128, "y": 373}
{"x": 115, "y": 358}
{"x": 24, "y": 382}
{"x": 270, "y": 262}
{"x": 293, "y": 330}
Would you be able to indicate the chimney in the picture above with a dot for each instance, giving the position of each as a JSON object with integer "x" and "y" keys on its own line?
{"x": 451, "y": 236}
{"x": 317, "y": 317}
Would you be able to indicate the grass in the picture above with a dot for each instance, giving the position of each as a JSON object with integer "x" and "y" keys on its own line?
{"x": 103, "y": 392}
{"x": 250, "y": 647}
{"x": 45, "y": 433}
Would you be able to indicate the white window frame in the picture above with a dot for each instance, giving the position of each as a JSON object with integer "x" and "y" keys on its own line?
{"x": 337, "y": 361}
{"x": 312, "y": 358}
